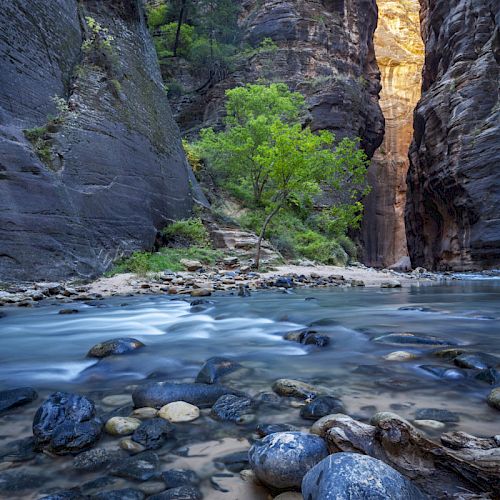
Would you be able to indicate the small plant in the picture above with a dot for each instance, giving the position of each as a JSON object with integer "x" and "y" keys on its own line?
{"x": 192, "y": 156}
{"x": 267, "y": 45}
{"x": 39, "y": 138}
{"x": 186, "y": 232}
{"x": 98, "y": 47}
{"x": 61, "y": 105}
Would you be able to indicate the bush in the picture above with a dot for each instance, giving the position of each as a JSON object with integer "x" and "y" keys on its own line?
{"x": 156, "y": 15}
{"x": 166, "y": 40}
{"x": 165, "y": 259}
{"x": 186, "y": 232}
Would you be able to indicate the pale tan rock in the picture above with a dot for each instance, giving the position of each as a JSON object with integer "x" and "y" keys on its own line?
{"x": 179, "y": 411}
{"x": 191, "y": 265}
{"x": 128, "y": 445}
{"x": 145, "y": 412}
{"x": 399, "y": 356}
{"x": 117, "y": 400}
{"x": 121, "y": 426}
{"x": 429, "y": 424}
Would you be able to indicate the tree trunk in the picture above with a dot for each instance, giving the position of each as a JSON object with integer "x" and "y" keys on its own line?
{"x": 262, "y": 232}
{"x": 179, "y": 25}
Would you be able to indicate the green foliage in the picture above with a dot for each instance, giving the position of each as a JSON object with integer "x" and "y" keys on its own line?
{"x": 157, "y": 15}
{"x": 42, "y": 143}
{"x": 164, "y": 42}
{"x": 165, "y": 259}
{"x": 189, "y": 231}
{"x": 192, "y": 155}
{"x": 98, "y": 46}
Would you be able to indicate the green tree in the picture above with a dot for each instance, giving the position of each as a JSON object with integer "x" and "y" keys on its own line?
{"x": 264, "y": 145}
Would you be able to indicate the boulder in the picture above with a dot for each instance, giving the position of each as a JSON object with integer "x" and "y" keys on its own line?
{"x": 308, "y": 337}
{"x": 191, "y": 265}
{"x": 158, "y": 394}
{"x": 346, "y": 476}
{"x": 494, "y": 398}
{"x": 152, "y": 433}
{"x": 230, "y": 408}
{"x": 13, "y": 398}
{"x": 295, "y": 388}
{"x": 66, "y": 423}
{"x": 215, "y": 368}
{"x": 282, "y": 459}
{"x": 320, "y": 407}
{"x": 123, "y": 345}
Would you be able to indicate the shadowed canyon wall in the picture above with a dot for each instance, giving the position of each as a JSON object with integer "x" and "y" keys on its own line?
{"x": 400, "y": 55}
{"x": 101, "y": 181}
{"x": 453, "y": 208}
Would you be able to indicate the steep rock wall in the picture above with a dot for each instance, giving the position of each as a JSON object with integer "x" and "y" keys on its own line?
{"x": 325, "y": 50}
{"x": 453, "y": 207}
{"x": 400, "y": 56}
{"x": 112, "y": 171}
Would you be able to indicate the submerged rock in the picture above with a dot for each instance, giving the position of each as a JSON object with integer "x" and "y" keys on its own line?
{"x": 97, "y": 459}
{"x": 20, "y": 450}
{"x": 152, "y": 433}
{"x": 490, "y": 376}
{"x": 282, "y": 459}
{"x": 412, "y": 339}
{"x": 344, "y": 476}
{"x": 66, "y": 423}
{"x": 124, "y": 494}
{"x": 295, "y": 388}
{"x": 399, "y": 356}
{"x": 158, "y": 394}
{"x": 180, "y": 493}
{"x": 445, "y": 372}
{"x": 494, "y": 398}
{"x": 14, "y": 482}
{"x": 215, "y": 368}
{"x": 308, "y": 337}
{"x": 173, "y": 478}
{"x": 123, "y": 345}
{"x": 436, "y": 414}
{"x": 140, "y": 467}
{"x": 477, "y": 361}
{"x": 12, "y": 398}
{"x": 321, "y": 406}
{"x": 230, "y": 408}
{"x": 179, "y": 411}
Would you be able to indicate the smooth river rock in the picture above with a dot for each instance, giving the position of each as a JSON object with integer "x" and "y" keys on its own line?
{"x": 281, "y": 460}
{"x": 122, "y": 345}
{"x": 352, "y": 476}
{"x": 122, "y": 426}
{"x": 179, "y": 411}
{"x": 158, "y": 394}
{"x": 321, "y": 406}
{"x": 13, "y": 398}
{"x": 494, "y": 398}
{"x": 215, "y": 368}
{"x": 295, "y": 388}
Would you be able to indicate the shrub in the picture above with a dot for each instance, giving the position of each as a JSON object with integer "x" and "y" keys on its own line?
{"x": 186, "y": 232}
{"x": 192, "y": 156}
{"x": 157, "y": 15}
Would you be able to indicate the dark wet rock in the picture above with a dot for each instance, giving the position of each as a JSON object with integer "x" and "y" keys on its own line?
{"x": 266, "y": 429}
{"x": 416, "y": 308}
{"x": 66, "y": 423}
{"x": 201, "y": 302}
{"x": 295, "y": 388}
{"x": 321, "y": 406}
{"x": 13, "y": 398}
{"x": 68, "y": 311}
{"x": 269, "y": 398}
{"x": 124, "y": 494}
{"x": 97, "y": 459}
{"x": 244, "y": 291}
{"x": 477, "y": 361}
{"x": 180, "y": 493}
{"x": 152, "y": 433}
{"x": 490, "y": 376}
{"x": 121, "y": 411}
{"x": 65, "y": 495}
{"x": 448, "y": 353}
{"x": 20, "y": 450}
{"x": 284, "y": 282}
{"x": 494, "y": 398}
{"x": 13, "y": 482}
{"x": 94, "y": 486}
{"x": 308, "y": 337}
{"x": 437, "y": 414}
{"x": 158, "y": 394}
{"x": 445, "y": 372}
{"x": 230, "y": 408}
{"x": 412, "y": 339}
{"x": 174, "y": 478}
{"x": 282, "y": 459}
{"x": 140, "y": 467}
{"x": 343, "y": 476}
{"x": 215, "y": 368}
{"x": 235, "y": 462}
{"x": 111, "y": 347}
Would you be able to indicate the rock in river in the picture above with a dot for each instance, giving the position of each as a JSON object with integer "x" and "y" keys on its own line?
{"x": 158, "y": 394}
{"x": 282, "y": 459}
{"x": 140, "y": 467}
{"x": 344, "y": 476}
{"x": 215, "y": 368}
{"x": 412, "y": 339}
{"x": 295, "y": 388}
{"x": 66, "y": 423}
{"x": 494, "y": 398}
{"x": 125, "y": 494}
{"x": 16, "y": 397}
{"x": 173, "y": 478}
{"x": 230, "y": 408}
{"x": 123, "y": 345}
{"x": 122, "y": 426}
{"x": 180, "y": 493}
{"x": 445, "y": 372}
{"x": 436, "y": 414}
{"x": 308, "y": 337}
{"x": 321, "y": 406}
{"x": 477, "y": 361}
{"x": 179, "y": 411}
{"x": 152, "y": 433}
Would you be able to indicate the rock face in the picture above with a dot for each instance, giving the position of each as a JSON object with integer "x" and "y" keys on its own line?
{"x": 400, "y": 56}
{"x": 324, "y": 50}
{"x": 100, "y": 178}
{"x": 454, "y": 181}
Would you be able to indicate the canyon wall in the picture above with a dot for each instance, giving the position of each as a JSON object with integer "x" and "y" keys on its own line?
{"x": 453, "y": 207}
{"x": 400, "y": 56}
{"x": 324, "y": 50}
{"x": 98, "y": 178}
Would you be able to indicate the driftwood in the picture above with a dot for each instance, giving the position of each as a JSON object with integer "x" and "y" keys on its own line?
{"x": 463, "y": 466}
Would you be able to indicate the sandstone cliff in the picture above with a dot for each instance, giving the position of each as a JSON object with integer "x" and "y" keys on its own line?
{"x": 324, "y": 50}
{"x": 453, "y": 206}
{"x": 400, "y": 56}
{"x": 100, "y": 178}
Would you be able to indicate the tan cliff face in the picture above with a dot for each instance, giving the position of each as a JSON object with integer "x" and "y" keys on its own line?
{"x": 400, "y": 55}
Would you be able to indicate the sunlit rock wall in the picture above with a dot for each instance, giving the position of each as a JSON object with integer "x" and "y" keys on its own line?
{"x": 400, "y": 55}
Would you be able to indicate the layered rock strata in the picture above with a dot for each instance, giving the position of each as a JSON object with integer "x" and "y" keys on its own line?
{"x": 400, "y": 55}
{"x": 98, "y": 178}
{"x": 453, "y": 200}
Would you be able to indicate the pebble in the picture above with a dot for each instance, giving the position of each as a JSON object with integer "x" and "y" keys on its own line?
{"x": 117, "y": 400}
{"x": 430, "y": 424}
{"x": 494, "y": 398}
{"x": 122, "y": 426}
{"x": 145, "y": 412}
{"x": 399, "y": 356}
{"x": 179, "y": 411}
{"x": 128, "y": 445}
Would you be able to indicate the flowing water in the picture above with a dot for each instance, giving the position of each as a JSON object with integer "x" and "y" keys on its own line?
{"x": 46, "y": 350}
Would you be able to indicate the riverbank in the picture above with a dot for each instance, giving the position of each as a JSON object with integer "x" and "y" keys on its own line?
{"x": 231, "y": 278}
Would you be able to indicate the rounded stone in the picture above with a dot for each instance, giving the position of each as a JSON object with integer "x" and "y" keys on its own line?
{"x": 294, "y": 388}
{"x": 114, "y": 346}
{"x": 281, "y": 460}
{"x": 122, "y": 426}
{"x": 179, "y": 411}
{"x": 128, "y": 445}
{"x": 117, "y": 400}
{"x": 399, "y": 356}
{"x": 144, "y": 413}
{"x": 352, "y": 475}
{"x": 321, "y": 407}
{"x": 430, "y": 424}
{"x": 494, "y": 398}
